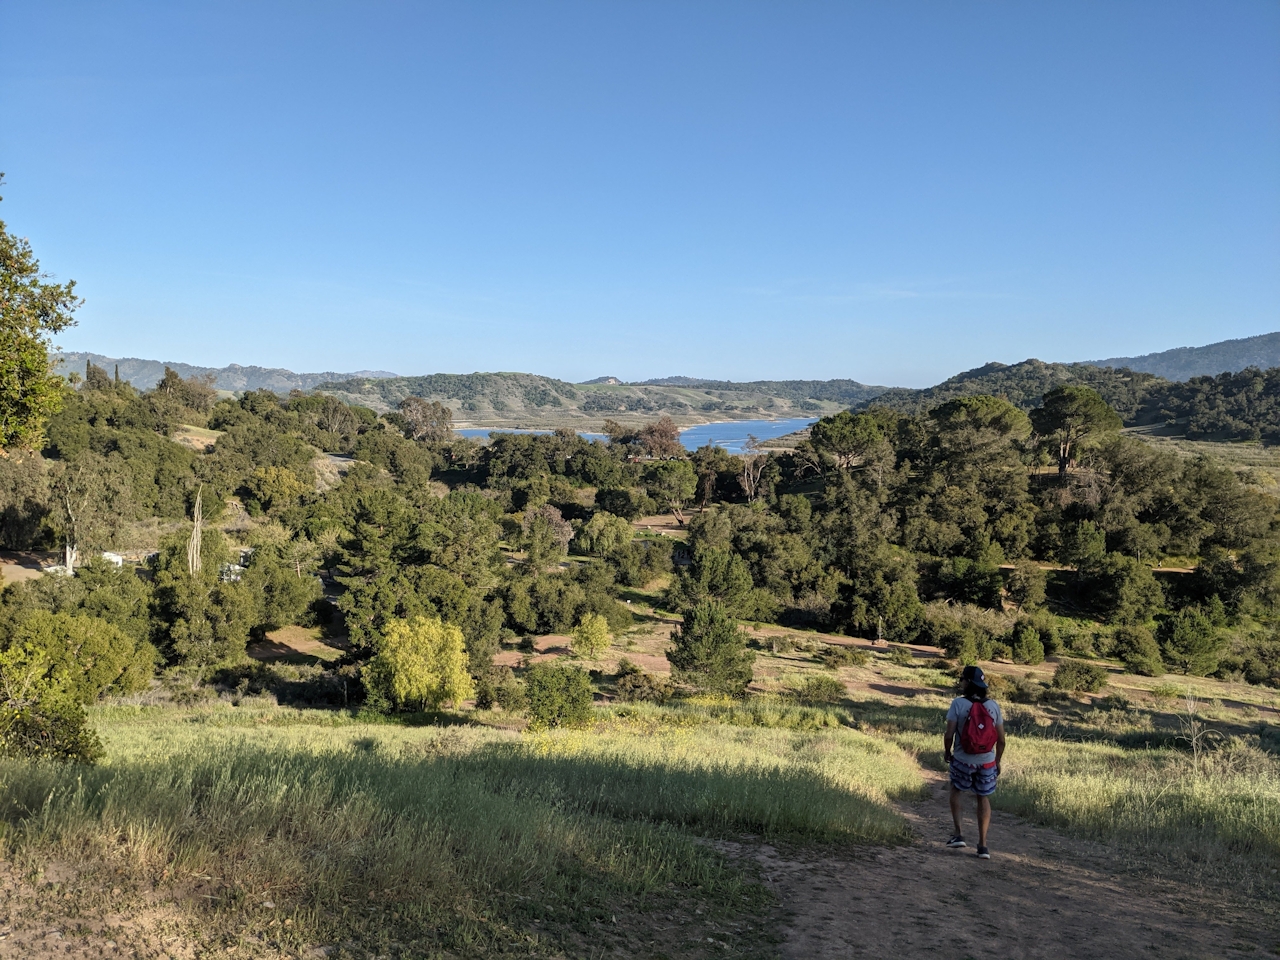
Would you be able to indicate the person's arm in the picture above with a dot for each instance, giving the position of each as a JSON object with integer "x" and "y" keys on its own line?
{"x": 999, "y": 745}
{"x": 949, "y": 737}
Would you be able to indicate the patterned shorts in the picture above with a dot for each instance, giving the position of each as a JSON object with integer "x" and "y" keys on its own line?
{"x": 973, "y": 779}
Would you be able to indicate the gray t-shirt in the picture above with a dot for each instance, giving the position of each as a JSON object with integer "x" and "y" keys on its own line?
{"x": 959, "y": 712}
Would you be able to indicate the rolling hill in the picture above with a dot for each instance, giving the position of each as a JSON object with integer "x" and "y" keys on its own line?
{"x": 145, "y": 374}
{"x": 523, "y": 399}
{"x": 1226, "y": 356}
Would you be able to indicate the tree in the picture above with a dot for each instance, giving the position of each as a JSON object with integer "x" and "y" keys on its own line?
{"x": 1139, "y": 651}
{"x": 591, "y": 636}
{"x": 603, "y": 534}
{"x": 90, "y": 656}
{"x": 1025, "y": 584}
{"x": 709, "y": 650}
{"x": 558, "y": 696}
{"x": 672, "y": 482}
{"x": 1189, "y": 642}
{"x": 420, "y": 664}
{"x": 850, "y": 440}
{"x": 1070, "y": 417}
{"x": 90, "y": 503}
{"x": 39, "y": 717}
{"x": 32, "y": 309}
{"x": 661, "y": 439}
{"x": 1027, "y": 646}
{"x": 753, "y": 463}
{"x": 427, "y": 420}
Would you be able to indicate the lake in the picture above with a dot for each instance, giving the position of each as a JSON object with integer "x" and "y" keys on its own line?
{"x": 730, "y": 434}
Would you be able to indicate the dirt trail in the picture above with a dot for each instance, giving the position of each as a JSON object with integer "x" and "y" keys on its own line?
{"x": 1041, "y": 896}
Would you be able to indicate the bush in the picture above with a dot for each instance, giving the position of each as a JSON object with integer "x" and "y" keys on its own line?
{"x": 634, "y": 684}
{"x": 89, "y": 656}
{"x": 420, "y": 664}
{"x": 836, "y": 656}
{"x": 1139, "y": 651}
{"x": 591, "y": 636}
{"x": 1027, "y": 647}
{"x": 710, "y": 651}
{"x": 819, "y": 689}
{"x": 1189, "y": 642}
{"x": 499, "y": 687}
{"x": 1078, "y": 676}
{"x": 41, "y": 716}
{"x": 901, "y": 657}
{"x": 558, "y": 696}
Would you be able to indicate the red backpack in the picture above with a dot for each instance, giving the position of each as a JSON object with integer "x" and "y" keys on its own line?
{"x": 978, "y": 735}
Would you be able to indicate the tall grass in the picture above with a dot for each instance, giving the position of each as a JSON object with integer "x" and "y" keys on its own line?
{"x": 463, "y": 839}
{"x": 1219, "y": 821}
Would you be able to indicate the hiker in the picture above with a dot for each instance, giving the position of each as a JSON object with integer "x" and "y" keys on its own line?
{"x": 972, "y": 747}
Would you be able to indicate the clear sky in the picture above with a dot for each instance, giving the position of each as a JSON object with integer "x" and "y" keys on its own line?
{"x": 888, "y": 191}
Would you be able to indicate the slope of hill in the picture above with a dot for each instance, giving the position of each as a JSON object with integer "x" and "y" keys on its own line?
{"x": 1226, "y": 356}
{"x": 523, "y": 399}
{"x": 145, "y": 374}
{"x": 1023, "y": 384}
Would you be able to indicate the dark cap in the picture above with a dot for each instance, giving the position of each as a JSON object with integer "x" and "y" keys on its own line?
{"x": 975, "y": 676}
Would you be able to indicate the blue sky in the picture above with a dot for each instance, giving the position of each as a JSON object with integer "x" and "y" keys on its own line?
{"x": 891, "y": 192}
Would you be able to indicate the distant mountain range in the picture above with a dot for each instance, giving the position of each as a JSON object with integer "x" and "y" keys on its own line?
{"x": 529, "y": 400}
{"x": 1183, "y": 363}
{"x": 145, "y": 374}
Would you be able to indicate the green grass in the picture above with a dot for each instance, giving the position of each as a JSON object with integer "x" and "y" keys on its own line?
{"x": 461, "y": 839}
{"x": 1220, "y": 822}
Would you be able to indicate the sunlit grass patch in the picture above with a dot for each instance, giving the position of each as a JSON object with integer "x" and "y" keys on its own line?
{"x": 1220, "y": 820}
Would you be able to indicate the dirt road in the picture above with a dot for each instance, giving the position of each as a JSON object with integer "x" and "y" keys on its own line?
{"x": 1040, "y": 896}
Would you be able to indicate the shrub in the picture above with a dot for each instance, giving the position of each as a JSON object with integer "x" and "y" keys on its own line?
{"x": 558, "y": 696}
{"x": 1189, "y": 642}
{"x": 591, "y": 636}
{"x": 90, "y": 657}
{"x": 1027, "y": 647}
{"x": 499, "y": 687}
{"x": 419, "y": 664}
{"x": 710, "y": 651}
{"x": 1078, "y": 676}
{"x": 901, "y": 657}
{"x": 41, "y": 716}
{"x": 634, "y": 684}
{"x": 1139, "y": 651}
{"x": 821, "y": 688}
{"x": 837, "y": 655}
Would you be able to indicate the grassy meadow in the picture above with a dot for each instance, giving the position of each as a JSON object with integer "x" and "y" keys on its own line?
{"x": 272, "y": 830}
{"x": 459, "y": 839}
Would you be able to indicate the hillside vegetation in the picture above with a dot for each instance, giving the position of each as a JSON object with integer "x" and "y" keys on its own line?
{"x": 1183, "y": 363}
{"x": 1231, "y": 406}
{"x": 233, "y": 378}
{"x": 527, "y": 400}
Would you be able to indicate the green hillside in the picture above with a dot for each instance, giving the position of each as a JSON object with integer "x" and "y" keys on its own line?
{"x": 1231, "y": 406}
{"x": 523, "y": 399}
{"x": 1183, "y": 363}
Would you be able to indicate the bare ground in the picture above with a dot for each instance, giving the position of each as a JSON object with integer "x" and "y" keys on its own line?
{"x": 1041, "y": 896}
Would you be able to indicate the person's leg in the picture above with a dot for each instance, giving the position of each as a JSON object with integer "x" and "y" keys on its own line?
{"x": 956, "y": 814}
{"x": 984, "y": 819}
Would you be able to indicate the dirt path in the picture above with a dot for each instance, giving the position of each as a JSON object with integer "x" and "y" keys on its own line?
{"x": 1041, "y": 896}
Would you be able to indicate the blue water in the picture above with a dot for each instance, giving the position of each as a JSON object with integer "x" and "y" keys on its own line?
{"x": 732, "y": 435}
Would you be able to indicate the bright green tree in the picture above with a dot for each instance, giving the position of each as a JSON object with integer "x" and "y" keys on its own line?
{"x": 591, "y": 636}
{"x": 709, "y": 650}
{"x": 89, "y": 656}
{"x": 419, "y": 665}
{"x": 32, "y": 309}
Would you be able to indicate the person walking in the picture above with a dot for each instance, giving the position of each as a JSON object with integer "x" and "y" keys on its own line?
{"x": 973, "y": 746}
